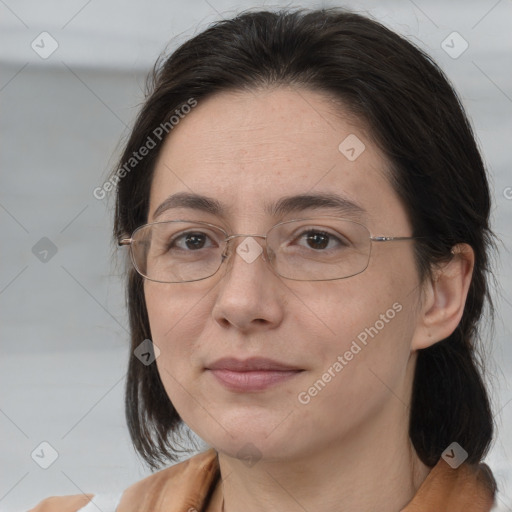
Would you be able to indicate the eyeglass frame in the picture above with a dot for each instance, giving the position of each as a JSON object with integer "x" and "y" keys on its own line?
{"x": 128, "y": 242}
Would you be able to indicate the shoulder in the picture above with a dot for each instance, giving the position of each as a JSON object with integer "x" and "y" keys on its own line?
{"x": 71, "y": 503}
{"x": 468, "y": 488}
{"x": 180, "y": 483}
{"x": 189, "y": 476}
{"x": 106, "y": 502}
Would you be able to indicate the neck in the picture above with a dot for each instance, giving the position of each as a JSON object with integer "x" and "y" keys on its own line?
{"x": 375, "y": 468}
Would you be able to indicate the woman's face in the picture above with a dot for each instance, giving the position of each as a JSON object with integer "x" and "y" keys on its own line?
{"x": 346, "y": 342}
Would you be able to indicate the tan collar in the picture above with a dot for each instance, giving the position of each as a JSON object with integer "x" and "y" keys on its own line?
{"x": 189, "y": 486}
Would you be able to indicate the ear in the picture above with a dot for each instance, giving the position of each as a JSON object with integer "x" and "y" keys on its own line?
{"x": 444, "y": 298}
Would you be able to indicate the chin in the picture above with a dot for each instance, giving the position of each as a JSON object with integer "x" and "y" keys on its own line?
{"x": 248, "y": 442}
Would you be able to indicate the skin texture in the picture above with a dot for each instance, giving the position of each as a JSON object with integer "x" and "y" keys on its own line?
{"x": 348, "y": 448}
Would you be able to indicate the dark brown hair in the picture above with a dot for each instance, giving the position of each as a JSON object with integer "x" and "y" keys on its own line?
{"x": 417, "y": 120}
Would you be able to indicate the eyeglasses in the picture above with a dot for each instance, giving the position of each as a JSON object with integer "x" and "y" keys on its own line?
{"x": 312, "y": 249}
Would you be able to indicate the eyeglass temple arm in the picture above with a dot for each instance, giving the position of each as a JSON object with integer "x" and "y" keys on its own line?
{"x": 391, "y": 238}
{"x": 124, "y": 241}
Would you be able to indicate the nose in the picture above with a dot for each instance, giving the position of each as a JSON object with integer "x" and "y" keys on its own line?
{"x": 250, "y": 295}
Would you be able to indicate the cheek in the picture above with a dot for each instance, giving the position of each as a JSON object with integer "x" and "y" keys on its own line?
{"x": 369, "y": 318}
{"x": 176, "y": 324}
{"x": 363, "y": 362}
{"x": 176, "y": 320}
{"x": 362, "y": 333}
{"x": 168, "y": 305}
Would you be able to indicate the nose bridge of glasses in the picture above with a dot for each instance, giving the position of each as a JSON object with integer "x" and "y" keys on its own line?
{"x": 243, "y": 237}
{"x": 247, "y": 250}
{"x": 231, "y": 237}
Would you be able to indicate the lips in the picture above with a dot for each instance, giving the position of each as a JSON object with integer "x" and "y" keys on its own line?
{"x": 250, "y": 375}
{"x": 248, "y": 365}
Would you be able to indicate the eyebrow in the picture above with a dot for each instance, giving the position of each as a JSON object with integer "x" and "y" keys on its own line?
{"x": 285, "y": 205}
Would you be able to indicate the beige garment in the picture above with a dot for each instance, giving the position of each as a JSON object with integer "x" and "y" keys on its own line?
{"x": 194, "y": 485}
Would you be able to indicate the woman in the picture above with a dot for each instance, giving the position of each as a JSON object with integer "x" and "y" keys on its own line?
{"x": 307, "y": 215}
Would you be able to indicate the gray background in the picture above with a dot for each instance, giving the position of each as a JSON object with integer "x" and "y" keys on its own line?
{"x": 64, "y": 342}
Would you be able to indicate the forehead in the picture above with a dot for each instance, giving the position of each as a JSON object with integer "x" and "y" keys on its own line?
{"x": 286, "y": 123}
{"x": 250, "y": 149}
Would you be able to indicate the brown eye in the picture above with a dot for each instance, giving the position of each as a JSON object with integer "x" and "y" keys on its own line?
{"x": 320, "y": 240}
{"x": 193, "y": 241}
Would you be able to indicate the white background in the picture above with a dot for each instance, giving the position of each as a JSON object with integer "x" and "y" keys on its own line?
{"x": 64, "y": 340}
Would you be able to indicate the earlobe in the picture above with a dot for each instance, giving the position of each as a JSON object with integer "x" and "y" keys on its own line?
{"x": 444, "y": 298}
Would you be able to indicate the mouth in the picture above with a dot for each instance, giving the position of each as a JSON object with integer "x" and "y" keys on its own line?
{"x": 251, "y": 375}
